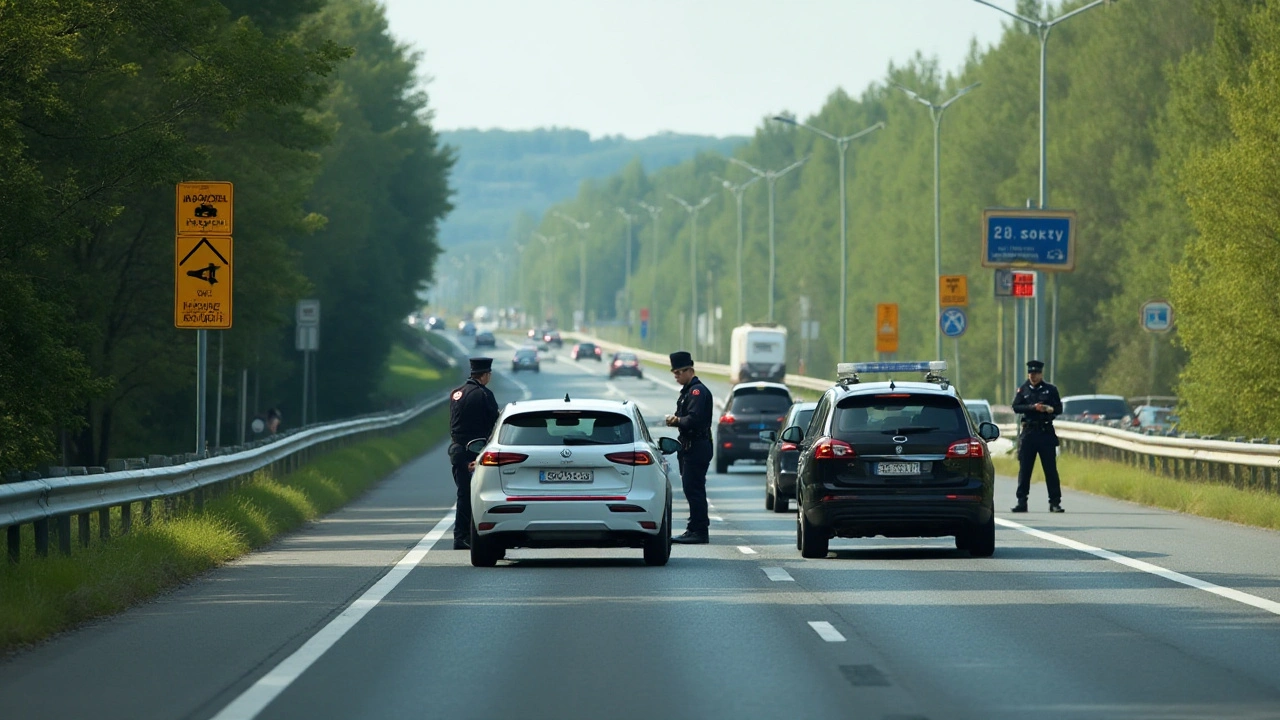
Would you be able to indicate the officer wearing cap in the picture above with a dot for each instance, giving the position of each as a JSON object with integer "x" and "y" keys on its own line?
{"x": 1039, "y": 403}
{"x": 693, "y": 418}
{"x": 473, "y": 410}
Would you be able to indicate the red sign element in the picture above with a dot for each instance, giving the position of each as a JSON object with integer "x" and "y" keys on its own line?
{"x": 644, "y": 313}
{"x": 1024, "y": 285}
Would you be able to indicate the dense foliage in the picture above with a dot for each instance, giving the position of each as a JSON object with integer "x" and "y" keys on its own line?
{"x": 306, "y": 105}
{"x": 1162, "y": 128}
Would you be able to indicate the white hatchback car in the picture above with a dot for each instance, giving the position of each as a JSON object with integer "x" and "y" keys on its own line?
{"x": 571, "y": 473}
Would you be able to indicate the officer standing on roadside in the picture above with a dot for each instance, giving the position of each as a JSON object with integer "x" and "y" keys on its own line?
{"x": 693, "y": 418}
{"x": 473, "y": 410}
{"x": 1039, "y": 403}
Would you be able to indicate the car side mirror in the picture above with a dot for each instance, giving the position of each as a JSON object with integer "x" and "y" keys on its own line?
{"x": 988, "y": 431}
{"x": 792, "y": 434}
{"x": 768, "y": 435}
{"x": 477, "y": 446}
{"x": 668, "y": 445}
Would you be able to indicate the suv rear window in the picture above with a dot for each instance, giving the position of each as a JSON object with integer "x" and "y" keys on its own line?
{"x": 526, "y": 353}
{"x": 763, "y": 400}
{"x": 586, "y": 346}
{"x": 922, "y": 416}
{"x": 567, "y": 427}
{"x": 1110, "y": 408}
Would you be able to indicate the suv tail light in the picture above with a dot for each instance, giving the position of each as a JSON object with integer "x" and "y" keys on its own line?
{"x": 727, "y": 419}
{"x": 787, "y": 447}
{"x": 502, "y": 458}
{"x": 630, "y": 458}
{"x": 970, "y": 448}
{"x": 832, "y": 449}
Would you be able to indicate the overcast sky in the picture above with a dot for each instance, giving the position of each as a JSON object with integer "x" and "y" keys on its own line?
{"x": 638, "y": 67}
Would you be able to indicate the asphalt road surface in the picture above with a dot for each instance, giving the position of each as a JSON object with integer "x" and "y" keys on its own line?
{"x": 1111, "y": 611}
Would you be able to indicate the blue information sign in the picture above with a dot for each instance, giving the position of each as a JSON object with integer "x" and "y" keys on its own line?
{"x": 1039, "y": 239}
{"x": 954, "y": 322}
{"x": 644, "y": 329}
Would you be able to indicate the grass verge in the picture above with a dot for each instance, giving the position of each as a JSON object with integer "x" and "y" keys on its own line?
{"x": 1112, "y": 479}
{"x": 43, "y": 596}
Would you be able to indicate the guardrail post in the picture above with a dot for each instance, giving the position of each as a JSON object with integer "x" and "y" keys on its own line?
{"x": 104, "y": 523}
{"x": 197, "y": 496}
{"x": 15, "y": 543}
{"x": 41, "y": 527}
{"x": 146, "y": 512}
{"x": 126, "y": 518}
{"x": 84, "y": 529}
{"x": 64, "y": 534}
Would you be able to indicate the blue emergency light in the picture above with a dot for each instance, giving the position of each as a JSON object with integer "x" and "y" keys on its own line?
{"x": 852, "y": 370}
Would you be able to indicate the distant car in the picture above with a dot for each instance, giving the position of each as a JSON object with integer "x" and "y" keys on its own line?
{"x": 526, "y": 358}
{"x": 466, "y": 328}
{"x": 625, "y": 363}
{"x": 434, "y": 323}
{"x": 587, "y": 350}
{"x": 979, "y": 410}
{"x": 752, "y": 407}
{"x": 1095, "y": 407}
{"x": 571, "y": 473}
{"x": 552, "y": 337}
{"x": 484, "y": 338}
{"x": 533, "y": 333}
{"x": 1154, "y": 417}
{"x": 780, "y": 466}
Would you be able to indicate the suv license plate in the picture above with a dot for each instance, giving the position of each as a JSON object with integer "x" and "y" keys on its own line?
{"x": 566, "y": 476}
{"x": 898, "y": 468}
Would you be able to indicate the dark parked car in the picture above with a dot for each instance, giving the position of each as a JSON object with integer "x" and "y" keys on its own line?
{"x": 752, "y": 408}
{"x": 625, "y": 363}
{"x": 780, "y": 466}
{"x": 484, "y": 338}
{"x": 899, "y": 459}
{"x": 434, "y": 323}
{"x": 1095, "y": 407}
{"x": 552, "y": 337}
{"x": 466, "y": 328}
{"x": 526, "y": 358}
{"x": 587, "y": 350}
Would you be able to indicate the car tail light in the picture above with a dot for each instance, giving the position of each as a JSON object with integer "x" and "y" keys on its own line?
{"x": 597, "y": 351}
{"x": 970, "y": 448}
{"x": 617, "y": 363}
{"x": 486, "y": 526}
{"x": 782, "y": 418}
{"x": 491, "y": 458}
{"x": 786, "y": 447}
{"x": 630, "y": 458}
{"x": 832, "y": 449}
{"x": 727, "y": 419}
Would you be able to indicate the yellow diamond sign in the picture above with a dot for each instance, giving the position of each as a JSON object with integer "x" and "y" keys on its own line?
{"x": 202, "y": 282}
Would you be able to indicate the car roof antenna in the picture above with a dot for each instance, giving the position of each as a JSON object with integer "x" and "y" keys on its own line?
{"x": 566, "y": 397}
{"x": 892, "y": 387}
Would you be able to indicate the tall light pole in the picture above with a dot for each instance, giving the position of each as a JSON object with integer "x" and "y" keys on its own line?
{"x": 654, "y": 211}
{"x": 842, "y": 144}
{"x": 935, "y": 112}
{"x": 771, "y": 178}
{"x": 738, "y": 191}
{"x": 582, "y": 261}
{"x": 626, "y": 278}
{"x": 1042, "y": 28}
{"x": 693, "y": 209}
{"x": 547, "y": 242}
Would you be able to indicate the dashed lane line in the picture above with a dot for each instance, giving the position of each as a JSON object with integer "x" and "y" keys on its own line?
{"x": 826, "y": 631}
{"x": 746, "y": 550}
{"x": 778, "y": 574}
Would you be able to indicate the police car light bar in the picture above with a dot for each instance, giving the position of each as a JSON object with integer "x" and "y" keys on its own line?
{"x": 845, "y": 371}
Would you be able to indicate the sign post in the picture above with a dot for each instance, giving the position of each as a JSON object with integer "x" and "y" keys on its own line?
{"x": 307, "y": 341}
{"x": 954, "y": 322}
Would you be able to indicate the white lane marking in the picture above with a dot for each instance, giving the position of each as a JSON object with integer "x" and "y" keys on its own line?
{"x": 826, "y": 631}
{"x": 716, "y": 517}
{"x": 269, "y": 686}
{"x": 746, "y": 550}
{"x": 524, "y": 389}
{"x": 1241, "y": 597}
{"x": 778, "y": 575}
{"x": 615, "y": 390}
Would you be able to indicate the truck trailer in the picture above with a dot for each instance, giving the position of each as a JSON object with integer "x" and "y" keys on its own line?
{"x": 758, "y": 351}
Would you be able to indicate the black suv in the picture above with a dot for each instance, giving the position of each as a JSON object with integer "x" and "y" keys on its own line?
{"x": 753, "y": 407}
{"x": 899, "y": 459}
{"x": 780, "y": 467}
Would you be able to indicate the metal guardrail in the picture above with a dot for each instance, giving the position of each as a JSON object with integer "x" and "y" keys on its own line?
{"x": 56, "y": 500}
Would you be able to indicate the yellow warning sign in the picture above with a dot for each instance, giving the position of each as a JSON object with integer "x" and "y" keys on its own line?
{"x": 887, "y": 327}
{"x": 202, "y": 282}
{"x": 205, "y": 208}
{"x": 953, "y": 291}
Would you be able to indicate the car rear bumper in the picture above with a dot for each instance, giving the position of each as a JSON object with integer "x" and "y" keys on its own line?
{"x": 785, "y": 484}
{"x": 741, "y": 449}
{"x": 864, "y": 515}
{"x": 613, "y": 520}
{"x": 635, "y": 371}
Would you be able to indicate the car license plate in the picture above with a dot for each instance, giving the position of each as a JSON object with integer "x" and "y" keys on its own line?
{"x": 759, "y": 446}
{"x": 566, "y": 476}
{"x": 898, "y": 468}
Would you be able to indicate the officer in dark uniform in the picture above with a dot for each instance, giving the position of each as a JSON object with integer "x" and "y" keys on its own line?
{"x": 693, "y": 418}
{"x": 473, "y": 410}
{"x": 1039, "y": 403}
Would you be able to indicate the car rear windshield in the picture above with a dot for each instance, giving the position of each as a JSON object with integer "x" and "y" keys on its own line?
{"x": 567, "y": 427}
{"x": 762, "y": 400}
{"x": 980, "y": 413}
{"x": 626, "y": 356}
{"x": 1111, "y": 408}
{"x": 870, "y": 417}
{"x": 802, "y": 418}
{"x": 523, "y": 353}
{"x": 586, "y": 346}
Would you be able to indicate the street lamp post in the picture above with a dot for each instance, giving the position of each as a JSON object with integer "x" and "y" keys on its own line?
{"x": 693, "y": 210}
{"x": 935, "y": 113}
{"x": 626, "y": 278}
{"x": 771, "y": 179}
{"x": 547, "y": 242}
{"x": 738, "y": 191}
{"x": 654, "y": 211}
{"x": 582, "y": 261}
{"x": 842, "y": 144}
{"x": 1043, "y": 27}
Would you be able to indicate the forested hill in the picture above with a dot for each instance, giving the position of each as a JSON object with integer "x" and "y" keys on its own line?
{"x": 500, "y": 173}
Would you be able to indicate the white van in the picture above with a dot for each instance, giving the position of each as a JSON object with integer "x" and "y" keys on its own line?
{"x": 758, "y": 351}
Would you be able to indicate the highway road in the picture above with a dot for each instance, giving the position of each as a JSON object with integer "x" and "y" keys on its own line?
{"x": 1111, "y": 611}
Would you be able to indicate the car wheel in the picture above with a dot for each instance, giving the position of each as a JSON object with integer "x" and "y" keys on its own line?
{"x": 657, "y": 549}
{"x": 722, "y": 465}
{"x": 962, "y": 539}
{"x": 982, "y": 539}
{"x": 813, "y": 540}
{"x": 780, "y": 503}
{"x": 768, "y": 496}
{"x": 484, "y": 553}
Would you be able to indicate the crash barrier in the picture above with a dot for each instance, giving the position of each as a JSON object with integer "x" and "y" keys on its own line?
{"x": 49, "y": 504}
{"x": 1245, "y": 464}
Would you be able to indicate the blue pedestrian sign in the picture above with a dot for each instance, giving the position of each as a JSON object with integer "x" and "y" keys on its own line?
{"x": 1157, "y": 316}
{"x": 1036, "y": 239}
{"x": 644, "y": 329}
{"x": 953, "y": 322}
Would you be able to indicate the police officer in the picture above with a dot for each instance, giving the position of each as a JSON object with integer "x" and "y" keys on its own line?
{"x": 473, "y": 410}
{"x": 1038, "y": 402}
{"x": 693, "y": 418}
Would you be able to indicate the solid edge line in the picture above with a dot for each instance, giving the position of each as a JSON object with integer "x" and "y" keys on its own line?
{"x": 1241, "y": 597}
{"x": 269, "y": 686}
{"x": 826, "y": 631}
